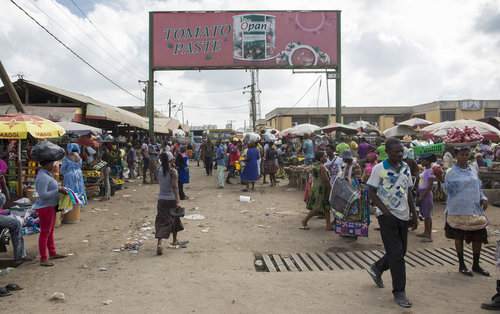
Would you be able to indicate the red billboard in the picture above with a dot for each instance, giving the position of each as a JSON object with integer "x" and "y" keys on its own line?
{"x": 244, "y": 39}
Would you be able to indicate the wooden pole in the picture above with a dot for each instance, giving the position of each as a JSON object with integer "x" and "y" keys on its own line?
{"x": 9, "y": 87}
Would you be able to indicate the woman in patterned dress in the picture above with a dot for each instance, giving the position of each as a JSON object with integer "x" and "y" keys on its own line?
{"x": 317, "y": 200}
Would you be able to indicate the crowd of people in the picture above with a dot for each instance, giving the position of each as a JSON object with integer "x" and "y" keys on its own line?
{"x": 395, "y": 181}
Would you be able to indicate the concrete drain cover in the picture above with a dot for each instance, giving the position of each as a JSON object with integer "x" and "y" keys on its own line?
{"x": 329, "y": 261}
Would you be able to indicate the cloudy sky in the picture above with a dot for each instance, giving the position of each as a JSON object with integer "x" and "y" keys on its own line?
{"x": 393, "y": 53}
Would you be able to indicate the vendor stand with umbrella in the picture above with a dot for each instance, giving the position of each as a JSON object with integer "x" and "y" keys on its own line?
{"x": 17, "y": 126}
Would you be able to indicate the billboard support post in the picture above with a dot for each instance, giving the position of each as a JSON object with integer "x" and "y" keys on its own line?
{"x": 338, "y": 81}
{"x": 150, "y": 96}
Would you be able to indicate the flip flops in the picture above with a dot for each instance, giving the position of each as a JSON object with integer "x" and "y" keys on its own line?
{"x": 58, "y": 256}
{"x": 402, "y": 301}
{"x": 376, "y": 277}
{"x": 304, "y": 228}
{"x": 46, "y": 263}
{"x": 481, "y": 271}
{"x": 13, "y": 287}
{"x": 4, "y": 292}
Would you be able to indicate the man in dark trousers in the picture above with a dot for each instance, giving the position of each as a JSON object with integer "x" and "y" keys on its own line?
{"x": 390, "y": 184}
{"x": 208, "y": 153}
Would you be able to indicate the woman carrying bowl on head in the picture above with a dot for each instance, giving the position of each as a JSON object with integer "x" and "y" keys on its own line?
{"x": 465, "y": 206}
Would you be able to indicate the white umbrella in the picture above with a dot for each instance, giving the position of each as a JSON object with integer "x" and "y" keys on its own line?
{"x": 398, "y": 131}
{"x": 303, "y": 129}
{"x": 415, "y": 122}
{"x": 78, "y": 128}
{"x": 439, "y": 129}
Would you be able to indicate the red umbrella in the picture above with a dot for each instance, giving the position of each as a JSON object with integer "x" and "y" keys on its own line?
{"x": 87, "y": 142}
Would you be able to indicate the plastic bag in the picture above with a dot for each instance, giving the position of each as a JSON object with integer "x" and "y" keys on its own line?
{"x": 47, "y": 151}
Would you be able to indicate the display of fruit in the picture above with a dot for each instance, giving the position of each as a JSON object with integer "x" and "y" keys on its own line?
{"x": 467, "y": 135}
{"x": 438, "y": 194}
{"x": 91, "y": 174}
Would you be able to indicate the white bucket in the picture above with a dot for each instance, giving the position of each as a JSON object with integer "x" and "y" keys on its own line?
{"x": 245, "y": 199}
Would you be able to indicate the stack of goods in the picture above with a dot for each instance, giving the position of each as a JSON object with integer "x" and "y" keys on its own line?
{"x": 298, "y": 175}
{"x": 92, "y": 180}
{"x": 459, "y": 136}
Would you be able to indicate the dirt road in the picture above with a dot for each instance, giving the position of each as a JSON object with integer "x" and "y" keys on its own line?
{"x": 216, "y": 272}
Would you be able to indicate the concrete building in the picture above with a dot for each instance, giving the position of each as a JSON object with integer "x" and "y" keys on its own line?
{"x": 386, "y": 117}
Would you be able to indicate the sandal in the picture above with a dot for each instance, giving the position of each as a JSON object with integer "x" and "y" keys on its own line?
{"x": 159, "y": 250}
{"x": 377, "y": 278}
{"x": 58, "y": 256}
{"x": 24, "y": 259}
{"x": 481, "y": 271}
{"x": 402, "y": 301}
{"x": 4, "y": 292}
{"x": 304, "y": 228}
{"x": 466, "y": 272}
{"x": 46, "y": 263}
{"x": 13, "y": 287}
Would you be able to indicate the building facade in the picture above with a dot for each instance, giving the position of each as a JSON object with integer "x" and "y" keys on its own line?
{"x": 386, "y": 117}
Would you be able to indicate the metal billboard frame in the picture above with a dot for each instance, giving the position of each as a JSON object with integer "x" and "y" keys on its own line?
{"x": 152, "y": 69}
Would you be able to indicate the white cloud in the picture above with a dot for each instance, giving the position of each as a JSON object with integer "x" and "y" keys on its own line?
{"x": 394, "y": 53}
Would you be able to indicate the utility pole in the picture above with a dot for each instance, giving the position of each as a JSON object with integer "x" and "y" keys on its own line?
{"x": 9, "y": 87}
{"x": 182, "y": 107}
{"x": 145, "y": 90}
{"x": 231, "y": 121}
{"x": 170, "y": 108}
{"x": 252, "y": 100}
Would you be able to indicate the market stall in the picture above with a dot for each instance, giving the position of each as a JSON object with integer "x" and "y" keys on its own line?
{"x": 21, "y": 171}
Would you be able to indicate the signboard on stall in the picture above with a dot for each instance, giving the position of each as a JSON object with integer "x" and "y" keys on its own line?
{"x": 244, "y": 39}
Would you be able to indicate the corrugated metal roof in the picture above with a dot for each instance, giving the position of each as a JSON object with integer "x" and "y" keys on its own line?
{"x": 100, "y": 110}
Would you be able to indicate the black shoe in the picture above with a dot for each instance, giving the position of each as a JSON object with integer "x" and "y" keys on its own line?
{"x": 227, "y": 182}
{"x": 493, "y": 305}
{"x": 481, "y": 271}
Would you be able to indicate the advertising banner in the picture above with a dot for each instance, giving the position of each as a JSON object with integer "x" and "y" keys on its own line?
{"x": 237, "y": 39}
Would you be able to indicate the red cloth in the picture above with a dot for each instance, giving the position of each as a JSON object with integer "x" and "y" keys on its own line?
{"x": 47, "y": 217}
{"x": 234, "y": 154}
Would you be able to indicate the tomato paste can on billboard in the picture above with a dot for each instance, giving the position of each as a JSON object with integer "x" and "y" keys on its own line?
{"x": 254, "y": 37}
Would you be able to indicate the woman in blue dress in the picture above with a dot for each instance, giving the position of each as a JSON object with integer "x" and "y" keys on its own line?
{"x": 251, "y": 172}
{"x": 72, "y": 170}
{"x": 182, "y": 165}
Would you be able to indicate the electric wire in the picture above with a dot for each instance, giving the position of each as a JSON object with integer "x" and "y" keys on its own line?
{"x": 106, "y": 51}
{"x": 74, "y": 53}
{"x": 219, "y": 108}
{"x": 303, "y": 95}
{"x": 192, "y": 91}
{"x": 99, "y": 31}
{"x": 81, "y": 43}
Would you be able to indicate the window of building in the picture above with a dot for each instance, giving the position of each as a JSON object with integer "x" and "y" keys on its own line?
{"x": 371, "y": 119}
{"x": 401, "y": 118}
{"x": 490, "y": 113}
{"x": 319, "y": 121}
{"x": 419, "y": 116}
{"x": 349, "y": 119}
{"x": 448, "y": 115}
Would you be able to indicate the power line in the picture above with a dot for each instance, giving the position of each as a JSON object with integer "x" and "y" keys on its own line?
{"x": 219, "y": 108}
{"x": 87, "y": 34}
{"x": 81, "y": 43}
{"x": 192, "y": 91}
{"x": 65, "y": 46}
{"x": 304, "y": 95}
{"x": 123, "y": 56}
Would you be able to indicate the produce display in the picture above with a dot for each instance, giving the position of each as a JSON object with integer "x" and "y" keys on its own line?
{"x": 467, "y": 135}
